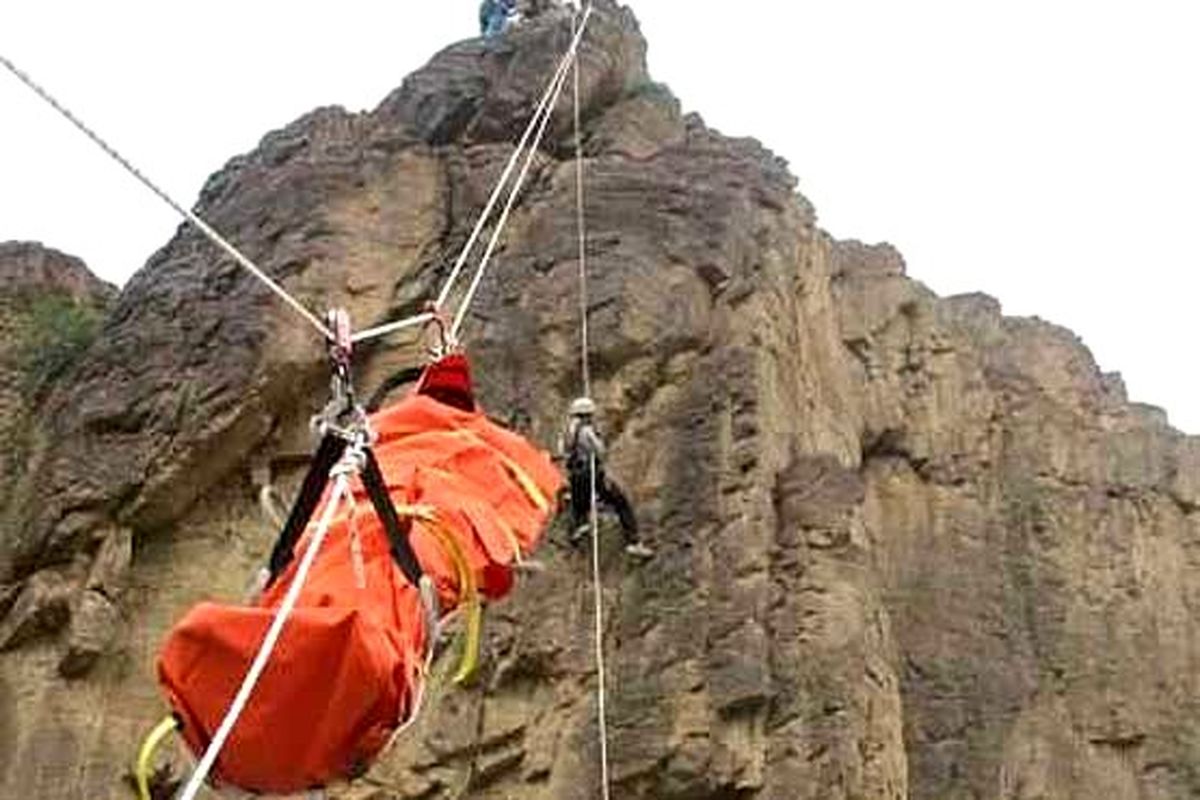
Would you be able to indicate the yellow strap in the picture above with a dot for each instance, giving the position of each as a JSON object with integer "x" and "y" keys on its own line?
{"x": 523, "y": 480}
{"x": 468, "y": 599}
{"x": 468, "y": 591}
{"x": 145, "y": 757}
{"x": 420, "y": 511}
{"x": 518, "y": 556}
{"x": 527, "y": 484}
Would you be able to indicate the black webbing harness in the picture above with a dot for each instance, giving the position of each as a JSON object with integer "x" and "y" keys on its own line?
{"x": 342, "y": 424}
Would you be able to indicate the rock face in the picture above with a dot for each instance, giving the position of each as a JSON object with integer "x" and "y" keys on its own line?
{"x": 906, "y": 546}
{"x": 50, "y": 308}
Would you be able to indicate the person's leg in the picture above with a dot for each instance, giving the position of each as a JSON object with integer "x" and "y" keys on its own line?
{"x": 611, "y": 495}
{"x": 581, "y": 499}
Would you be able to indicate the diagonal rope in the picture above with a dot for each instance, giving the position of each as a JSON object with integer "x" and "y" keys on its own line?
{"x": 188, "y": 215}
{"x": 509, "y": 203}
{"x": 545, "y": 101}
{"x": 258, "y": 665}
{"x": 593, "y": 514}
{"x": 545, "y": 105}
{"x": 560, "y": 82}
{"x": 392, "y": 327}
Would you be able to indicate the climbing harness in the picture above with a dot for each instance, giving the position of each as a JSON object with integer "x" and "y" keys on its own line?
{"x": 345, "y": 430}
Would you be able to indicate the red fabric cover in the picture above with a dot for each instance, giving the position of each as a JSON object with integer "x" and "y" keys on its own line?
{"x": 345, "y": 670}
{"x": 448, "y": 380}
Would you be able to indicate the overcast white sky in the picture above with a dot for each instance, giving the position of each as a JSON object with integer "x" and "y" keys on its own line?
{"x": 1044, "y": 151}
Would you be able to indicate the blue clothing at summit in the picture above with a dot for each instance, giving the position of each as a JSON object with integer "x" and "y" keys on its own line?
{"x": 494, "y": 16}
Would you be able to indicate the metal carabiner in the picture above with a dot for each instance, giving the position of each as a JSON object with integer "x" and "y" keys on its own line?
{"x": 446, "y": 342}
{"x": 342, "y": 414}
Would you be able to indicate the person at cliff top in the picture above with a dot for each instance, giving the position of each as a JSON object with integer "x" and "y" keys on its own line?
{"x": 582, "y": 447}
{"x": 494, "y": 16}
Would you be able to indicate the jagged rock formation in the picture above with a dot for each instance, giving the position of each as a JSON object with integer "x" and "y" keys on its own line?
{"x": 50, "y": 306}
{"x": 908, "y": 547}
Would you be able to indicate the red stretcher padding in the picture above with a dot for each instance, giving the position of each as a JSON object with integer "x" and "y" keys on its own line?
{"x": 346, "y": 670}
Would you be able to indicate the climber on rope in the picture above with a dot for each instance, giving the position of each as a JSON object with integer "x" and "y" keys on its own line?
{"x": 581, "y": 448}
{"x": 494, "y": 16}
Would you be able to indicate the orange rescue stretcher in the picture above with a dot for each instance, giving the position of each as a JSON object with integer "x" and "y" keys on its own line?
{"x": 473, "y": 498}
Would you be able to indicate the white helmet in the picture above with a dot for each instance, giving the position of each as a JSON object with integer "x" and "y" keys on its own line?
{"x": 582, "y": 407}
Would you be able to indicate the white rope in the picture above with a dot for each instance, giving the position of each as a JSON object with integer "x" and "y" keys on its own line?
{"x": 341, "y": 486}
{"x": 560, "y": 82}
{"x": 535, "y": 123}
{"x": 469, "y": 297}
{"x": 191, "y": 217}
{"x": 594, "y": 515}
{"x": 392, "y": 327}
{"x": 598, "y": 635}
{"x": 584, "y": 369}
{"x": 504, "y": 176}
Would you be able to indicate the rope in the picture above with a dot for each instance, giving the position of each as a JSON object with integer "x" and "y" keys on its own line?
{"x": 188, "y": 215}
{"x": 340, "y": 488}
{"x": 469, "y": 297}
{"x": 563, "y": 64}
{"x": 548, "y": 98}
{"x": 585, "y": 371}
{"x": 594, "y": 516}
{"x": 392, "y": 327}
{"x": 598, "y": 602}
{"x": 560, "y": 81}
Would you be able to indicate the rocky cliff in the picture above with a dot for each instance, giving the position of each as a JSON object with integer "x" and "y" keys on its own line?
{"x": 50, "y": 309}
{"x": 907, "y": 546}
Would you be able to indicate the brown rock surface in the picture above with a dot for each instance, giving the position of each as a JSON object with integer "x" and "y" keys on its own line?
{"x": 907, "y": 546}
{"x": 50, "y": 308}
{"x": 40, "y": 607}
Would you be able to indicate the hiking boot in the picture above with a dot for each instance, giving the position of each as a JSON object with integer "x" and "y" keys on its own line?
{"x": 639, "y": 550}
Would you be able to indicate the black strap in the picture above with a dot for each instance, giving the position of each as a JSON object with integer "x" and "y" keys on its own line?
{"x": 327, "y": 455}
{"x": 407, "y": 375}
{"x": 397, "y": 531}
{"x": 576, "y": 460}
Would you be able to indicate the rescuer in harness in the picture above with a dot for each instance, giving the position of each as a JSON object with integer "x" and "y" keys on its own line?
{"x": 582, "y": 447}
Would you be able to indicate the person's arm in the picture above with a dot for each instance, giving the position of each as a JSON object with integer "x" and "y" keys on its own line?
{"x": 592, "y": 441}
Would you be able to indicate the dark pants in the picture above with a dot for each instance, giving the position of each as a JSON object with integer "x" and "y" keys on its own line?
{"x": 607, "y": 494}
